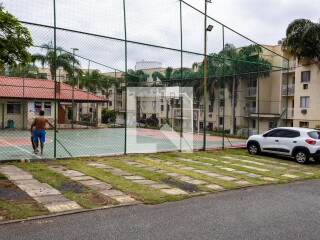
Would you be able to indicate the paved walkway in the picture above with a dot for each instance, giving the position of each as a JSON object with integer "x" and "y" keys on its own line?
{"x": 139, "y": 179}
{"x": 95, "y": 184}
{"x": 43, "y": 193}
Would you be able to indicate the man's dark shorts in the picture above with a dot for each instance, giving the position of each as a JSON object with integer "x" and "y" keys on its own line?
{"x": 41, "y": 134}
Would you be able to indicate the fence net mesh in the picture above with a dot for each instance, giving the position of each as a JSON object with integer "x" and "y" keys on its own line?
{"x": 117, "y": 77}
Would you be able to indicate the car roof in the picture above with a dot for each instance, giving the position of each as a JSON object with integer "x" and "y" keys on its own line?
{"x": 297, "y": 129}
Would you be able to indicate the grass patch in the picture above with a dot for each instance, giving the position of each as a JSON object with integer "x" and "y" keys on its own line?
{"x": 88, "y": 198}
{"x": 140, "y": 192}
{"x": 18, "y": 206}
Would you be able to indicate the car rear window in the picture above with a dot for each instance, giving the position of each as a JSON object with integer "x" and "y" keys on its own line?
{"x": 314, "y": 134}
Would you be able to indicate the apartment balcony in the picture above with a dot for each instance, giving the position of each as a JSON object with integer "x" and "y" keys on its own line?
{"x": 291, "y": 66}
{"x": 287, "y": 89}
{"x": 290, "y": 113}
{"x": 251, "y": 92}
{"x": 248, "y": 111}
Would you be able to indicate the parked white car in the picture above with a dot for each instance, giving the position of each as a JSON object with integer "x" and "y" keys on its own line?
{"x": 300, "y": 143}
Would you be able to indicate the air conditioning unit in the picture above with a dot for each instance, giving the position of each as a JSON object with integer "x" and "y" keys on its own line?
{"x": 304, "y": 111}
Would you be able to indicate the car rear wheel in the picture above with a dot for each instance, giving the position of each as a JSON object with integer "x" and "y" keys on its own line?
{"x": 253, "y": 148}
{"x": 301, "y": 156}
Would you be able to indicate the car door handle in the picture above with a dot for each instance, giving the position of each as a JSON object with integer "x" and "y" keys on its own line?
{"x": 294, "y": 141}
{"x": 276, "y": 140}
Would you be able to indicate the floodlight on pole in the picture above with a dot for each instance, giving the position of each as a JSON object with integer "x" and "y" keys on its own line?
{"x": 206, "y": 29}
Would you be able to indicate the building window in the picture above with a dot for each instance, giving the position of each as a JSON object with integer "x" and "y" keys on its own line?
{"x": 221, "y": 121}
{"x": 305, "y": 86}
{"x": 37, "y": 107}
{"x": 110, "y": 103}
{"x": 144, "y": 116}
{"x": 154, "y": 104}
{"x": 304, "y": 102}
{"x": 110, "y": 92}
{"x": 211, "y": 108}
{"x": 304, "y": 124}
{"x": 13, "y": 108}
{"x": 253, "y": 123}
{"x": 201, "y": 125}
{"x": 162, "y": 108}
{"x": 47, "y": 108}
{"x": 305, "y": 76}
{"x": 272, "y": 124}
{"x": 221, "y": 103}
{"x": 144, "y": 104}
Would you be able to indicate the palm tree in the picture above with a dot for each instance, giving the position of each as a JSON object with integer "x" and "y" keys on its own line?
{"x": 135, "y": 78}
{"x": 64, "y": 59}
{"x": 240, "y": 65}
{"x": 302, "y": 40}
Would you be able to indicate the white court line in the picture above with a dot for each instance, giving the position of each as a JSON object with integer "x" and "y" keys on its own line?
{"x": 19, "y": 148}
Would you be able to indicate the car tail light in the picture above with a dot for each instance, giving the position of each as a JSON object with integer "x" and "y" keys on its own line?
{"x": 311, "y": 141}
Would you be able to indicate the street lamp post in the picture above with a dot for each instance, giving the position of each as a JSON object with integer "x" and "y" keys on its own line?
{"x": 206, "y": 28}
{"x": 73, "y": 53}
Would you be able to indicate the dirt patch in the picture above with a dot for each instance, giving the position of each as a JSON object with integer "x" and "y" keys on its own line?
{"x": 11, "y": 191}
{"x": 184, "y": 186}
{"x": 71, "y": 187}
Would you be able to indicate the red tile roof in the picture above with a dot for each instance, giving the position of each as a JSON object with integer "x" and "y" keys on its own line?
{"x": 30, "y": 88}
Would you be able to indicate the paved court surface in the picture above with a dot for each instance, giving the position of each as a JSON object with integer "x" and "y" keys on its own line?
{"x": 98, "y": 142}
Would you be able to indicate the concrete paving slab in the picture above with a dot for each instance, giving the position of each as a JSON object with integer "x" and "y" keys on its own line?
{"x": 112, "y": 193}
{"x": 20, "y": 177}
{"x": 227, "y": 178}
{"x": 26, "y": 181}
{"x": 51, "y": 199}
{"x": 120, "y": 172}
{"x": 71, "y": 173}
{"x": 196, "y": 181}
{"x": 269, "y": 179}
{"x": 211, "y": 174}
{"x": 160, "y": 186}
{"x": 82, "y": 178}
{"x": 290, "y": 176}
{"x": 161, "y": 171}
{"x": 145, "y": 182}
{"x": 188, "y": 168}
{"x": 125, "y": 199}
{"x": 242, "y": 182}
{"x": 174, "y": 191}
{"x": 134, "y": 177}
{"x": 62, "y": 207}
{"x": 185, "y": 178}
{"x": 172, "y": 174}
{"x": 42, "y": 192}
{"x": 90, "y": 182}
{"x": 214, "y": 187}
{"x": 102, "y": 186}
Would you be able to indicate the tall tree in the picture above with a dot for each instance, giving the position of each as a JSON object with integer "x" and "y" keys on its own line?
{"x": 303, "y": 40}
{"x": 64, "y": 59}
{"x": 240, "y": 64}
{"x": 14, "y": 41}
{"x": 136, "y": 78}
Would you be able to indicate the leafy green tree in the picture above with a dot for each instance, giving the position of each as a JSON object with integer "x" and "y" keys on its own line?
{"x": 135, "y": 78}
{"x": 303, "y": 40}
{"x": 64, "y": 59}
{"x": 14, "y": 41}
{"x": 94, "y": 81}
{"x": 240, "y": 64}
{"x": 26, "y": 70}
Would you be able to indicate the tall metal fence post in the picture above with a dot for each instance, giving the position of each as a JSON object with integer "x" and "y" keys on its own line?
{"x": 181, "y": 80}
{"x": 223, "y": 85}
{"x": 126, "y": 70}
{"x": 55, "y": 79}
{"x": 205, "y": 79}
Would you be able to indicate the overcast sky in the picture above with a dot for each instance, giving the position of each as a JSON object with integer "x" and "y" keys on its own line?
{"x": 157, "y": 22}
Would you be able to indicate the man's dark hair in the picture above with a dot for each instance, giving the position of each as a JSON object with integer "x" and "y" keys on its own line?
{"x": 41, "y": 113}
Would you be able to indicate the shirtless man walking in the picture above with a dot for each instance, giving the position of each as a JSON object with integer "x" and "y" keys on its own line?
{"x": 40, "y": 132}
